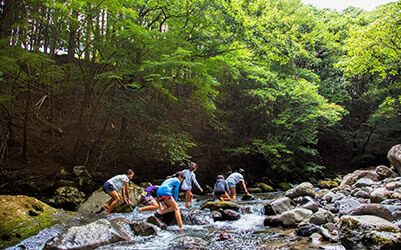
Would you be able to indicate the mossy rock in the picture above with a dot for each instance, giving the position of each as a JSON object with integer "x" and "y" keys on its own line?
{"x": 284, "y": 186}
{"x": 215, "y": 205}
{"x": 255, "y": 190}
{"x": 327, "y": 184}
{"x": 22, "y": 217}
{"x": 264, "y": 187}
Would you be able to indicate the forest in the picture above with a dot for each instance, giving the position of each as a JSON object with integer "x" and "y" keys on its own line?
{"x": 279, "y": 88}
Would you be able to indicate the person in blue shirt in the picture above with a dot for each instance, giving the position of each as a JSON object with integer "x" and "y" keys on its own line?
{"x": 167, "y": 194}
{"x": 221, "y": 189}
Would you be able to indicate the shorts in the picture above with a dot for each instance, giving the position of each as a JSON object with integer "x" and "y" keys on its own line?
{"x": 108, "y": 187}
{"x": 217, "y": 194}
{"x": 230, "y": 184}
{"x": 163, "y": 198}
{"x": 149, "y": 200}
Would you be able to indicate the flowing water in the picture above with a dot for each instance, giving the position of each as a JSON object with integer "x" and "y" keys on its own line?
{"x": 246, "y": 233}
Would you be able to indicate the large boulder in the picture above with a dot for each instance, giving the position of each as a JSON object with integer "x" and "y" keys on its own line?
{"x": 279, "y": 206}
{"x": 95, "y": 234}
{"x": 21, "y": 217}
{"x": 94, "y": 203}
{"x": 394, "y": 157}
{"x": 303, "y": 189}
{"x": 385, "y": 172}
{"x": 351, "y": 178}
{"x": 142, "y": 228}
{"x": 382, "y": 211}
{"x": 369, "y": 232}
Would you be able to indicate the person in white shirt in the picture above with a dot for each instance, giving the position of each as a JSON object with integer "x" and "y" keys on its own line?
{"x": 186, "y": 185}
{"x": 114, "y": 186}
{"x": 233, "y": 180}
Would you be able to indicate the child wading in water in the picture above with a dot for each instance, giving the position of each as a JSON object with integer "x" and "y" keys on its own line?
{"x": 233, "y": 180}
{"x": 115, "y": 185}
{"x": 187, "y": 183}
{"x": 221, "y": 189}
{"x": 167, "y": 194}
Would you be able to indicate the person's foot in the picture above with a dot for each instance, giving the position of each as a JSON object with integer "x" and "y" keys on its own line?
{"x": 136, "y": 210}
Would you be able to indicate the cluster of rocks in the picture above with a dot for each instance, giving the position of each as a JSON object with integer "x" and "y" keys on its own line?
{"x": 362, "y": 212}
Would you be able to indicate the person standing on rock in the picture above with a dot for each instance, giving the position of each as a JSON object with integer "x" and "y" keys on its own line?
{"x": 167, "y": 194}
{"x": 186, "y": 186}
{"x": 221, "y": 189}
{"x": 233, "y": 180}
{"x": 114, "y": 186}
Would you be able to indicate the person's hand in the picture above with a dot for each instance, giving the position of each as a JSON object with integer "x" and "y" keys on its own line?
{"x": 201, "y": 190}
{"x": 129, "y": 203}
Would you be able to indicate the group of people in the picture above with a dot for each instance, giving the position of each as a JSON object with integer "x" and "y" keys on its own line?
{"x": 167, "y": 193}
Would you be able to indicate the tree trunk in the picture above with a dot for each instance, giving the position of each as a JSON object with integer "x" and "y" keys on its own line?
{"x": 26, "y": 117}
{"x": 72, "y": 37}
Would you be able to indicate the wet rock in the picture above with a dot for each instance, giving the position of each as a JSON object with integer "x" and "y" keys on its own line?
{"x": 21, "y": 217}
{"x": 369, "y": 232}
{"x": 273, "y": 221}
{"x": 156, "y": 221}
{"x": 247, "y": 197}
{"x": 67, "y": 197}
{"x": 393, "y": 185}
{"x": 224, "y": 236}
{"x": 394, "y": 157}
{"x": 279, "y": 206}
{"x": 306, "y": 230}
{"x": 328, "y": 196}
{"x": 94, "y": 203}
{"x": 284, "y": 186}
{"x": 90, "y": 236}
{"x": 215, "y": 205}
{"x": 229, "y": 214}
{"x": 321, "y": 217}
{"x": 255, "y": 190}
{"x": 378, "y": 210}
{"x": 303, "y": 189}
{"x": 217, "y": 216}
{"x": 193, "y": 217}
{"x": 362, "y": 194}
{"x": 264, "y": 187}
{"x": 311, "y": 205}
{"x": 190, "y": 242}
{"x": 379, "y": 194}
{"x": 385, "y": 172}
{"x": 293, "y": 217}
{"x": 143, "y": 228}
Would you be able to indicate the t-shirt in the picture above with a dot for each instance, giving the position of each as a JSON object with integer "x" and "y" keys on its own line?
{"x": 235, "y": 178}
{"x": 221, "y": 186}
{"x": 151, "y": 190}
{"x": 118, "y": 181}
{"x": 169, "y": 187}
{"x": 189, "y": 178}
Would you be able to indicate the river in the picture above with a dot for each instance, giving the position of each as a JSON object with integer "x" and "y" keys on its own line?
{"x": 246, "y": 233}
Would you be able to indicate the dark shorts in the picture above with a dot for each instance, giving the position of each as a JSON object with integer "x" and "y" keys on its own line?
{"x": 108, "y": 187}
{"x": 219, "y": 193}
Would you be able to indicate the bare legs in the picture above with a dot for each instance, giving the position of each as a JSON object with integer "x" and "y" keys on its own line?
{"x": 115, "y": 198}
{"x": 173, "y": 208}
{"x": 225, "y": 197}
{"x": 188, "y": 198}
{"x": 233, "y": 193}
{"x": 152, "y": 207}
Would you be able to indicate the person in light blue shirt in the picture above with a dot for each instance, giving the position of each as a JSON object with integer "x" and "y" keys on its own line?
{"x": 167, "y": 194}
{"x": 186, "y": 186}
{"x": 233, "y": 180}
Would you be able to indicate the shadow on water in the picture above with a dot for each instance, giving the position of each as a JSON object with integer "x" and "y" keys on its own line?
{"x": 246, "y": 233}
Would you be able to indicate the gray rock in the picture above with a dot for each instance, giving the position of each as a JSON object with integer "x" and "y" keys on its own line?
{"x": 273, "y": 221}
{"x": 215, "y": 205}
{"x": 303, "y": 189}
{"x": 379, "y": 194}
{"x": 306, "y": 230}
{"x": 295, "y": 216}
{"x": 67, "y": 197}
{"x": 143, "y": 228}
{"x": 81, "y": 171}
{"x": 321, "y": 217}
{"x": 363, "y": 182}
{"x": 351, "y": 178}
{"x": 385, "y": 172}
{"x": 311, "y": 205}
{"x": 281, "y": 205}
{"x": 346, "y": 205}
{"x": 378, "y": 210}
{"x": 362, "y": 194}
{"x": 394, "y": 156}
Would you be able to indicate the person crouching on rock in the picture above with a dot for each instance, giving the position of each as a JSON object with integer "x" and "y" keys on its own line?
{"x": 221, "y": 189}
{"x": 114, "y": 186}
{"x": 149, "y": 201}
{"x": 233, "y": 180}
{"x": 167, "y": 194}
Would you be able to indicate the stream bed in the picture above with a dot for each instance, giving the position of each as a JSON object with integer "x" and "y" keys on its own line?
{"x": 246, "y": 233}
